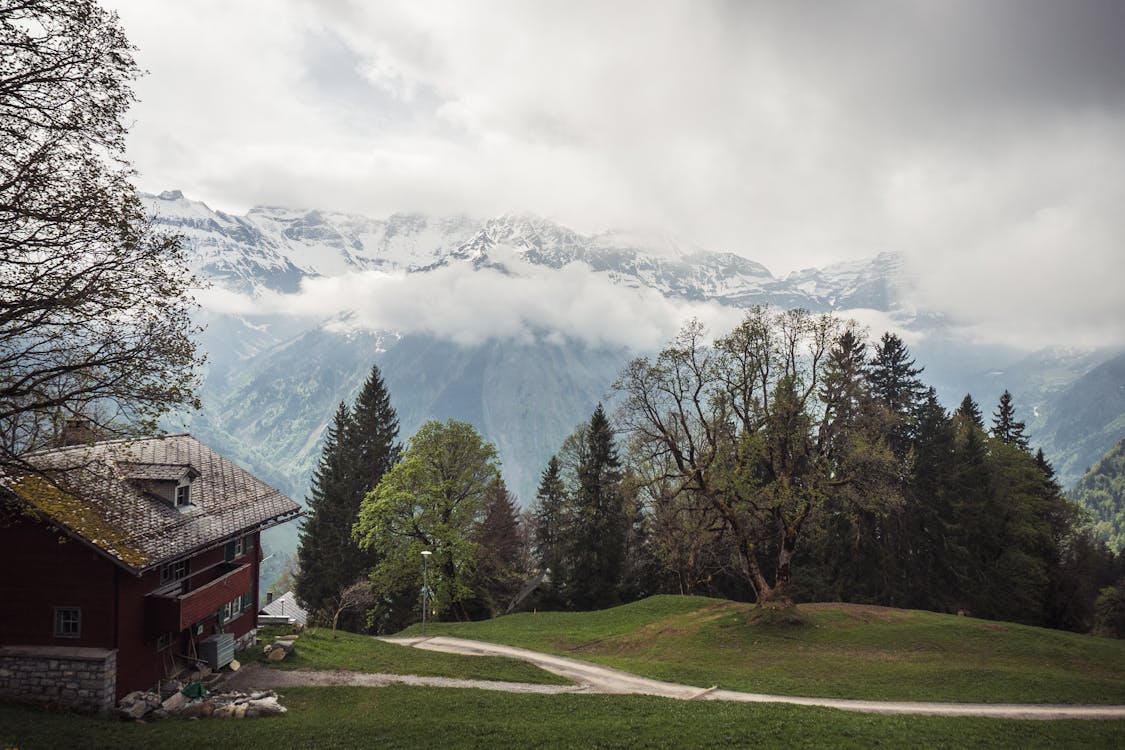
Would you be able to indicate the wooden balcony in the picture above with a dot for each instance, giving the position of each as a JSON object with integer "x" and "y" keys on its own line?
{"x": 171, "y": 613}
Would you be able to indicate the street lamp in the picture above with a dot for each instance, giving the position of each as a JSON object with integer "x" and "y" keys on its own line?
{"x": 425, "y": 586}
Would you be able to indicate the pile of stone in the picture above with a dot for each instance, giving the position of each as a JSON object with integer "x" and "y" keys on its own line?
{"x": 144, "y": 706}
{"x": 280, "y": 648}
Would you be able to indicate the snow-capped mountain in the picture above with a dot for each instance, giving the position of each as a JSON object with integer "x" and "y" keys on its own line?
{"x": 276, "y": 248}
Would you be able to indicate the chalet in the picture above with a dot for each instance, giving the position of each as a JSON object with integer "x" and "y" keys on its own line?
{"x": 124, "y": 562}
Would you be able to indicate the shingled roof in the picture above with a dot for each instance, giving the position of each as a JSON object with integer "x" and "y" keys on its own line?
{"x": 100, "y": 494}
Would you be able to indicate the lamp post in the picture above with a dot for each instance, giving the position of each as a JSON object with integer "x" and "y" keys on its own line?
{"x": 425, "y": 586}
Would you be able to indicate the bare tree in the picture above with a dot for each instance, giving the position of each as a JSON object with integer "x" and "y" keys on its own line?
{"x": 744, "y": 429}
{"x": 353, "y": 596}
{"x": 94, "y": 305}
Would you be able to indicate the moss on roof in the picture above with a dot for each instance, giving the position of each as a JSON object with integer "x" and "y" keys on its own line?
{"x": 77, "y": 515}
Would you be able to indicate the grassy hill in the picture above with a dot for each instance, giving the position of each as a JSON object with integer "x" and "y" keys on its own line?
{"x": 838, "y": 650}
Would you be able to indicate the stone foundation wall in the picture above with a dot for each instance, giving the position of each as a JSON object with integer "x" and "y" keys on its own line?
{"x": 84, "y": 679}
{"x": 247, "y": 640}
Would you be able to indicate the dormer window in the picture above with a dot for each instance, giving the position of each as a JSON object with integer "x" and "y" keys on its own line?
{"x": 171, "y": 483}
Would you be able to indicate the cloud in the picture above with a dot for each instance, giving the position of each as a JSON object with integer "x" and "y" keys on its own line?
{"x": 523, "y": 302}
{"x": 982, "y": 139}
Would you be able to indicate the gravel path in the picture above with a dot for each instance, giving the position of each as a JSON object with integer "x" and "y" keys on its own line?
{"x": 257, "y": 677}
{"x": 594, "y": 678}
{"x": 599, "y": 679}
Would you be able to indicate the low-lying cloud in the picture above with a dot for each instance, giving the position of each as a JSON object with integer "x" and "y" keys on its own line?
{"x": 521, "y": 302}
{"x": 472, "y": 307}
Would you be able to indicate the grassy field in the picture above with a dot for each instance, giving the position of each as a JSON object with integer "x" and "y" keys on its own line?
{"x": 837, "y": 650}
{"x": 318, "y": 649}
{"x": 842, "y": 651}
{"x": 403, "y": 717}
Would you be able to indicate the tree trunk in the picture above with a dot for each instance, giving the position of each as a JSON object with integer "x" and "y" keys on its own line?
{"x": 779, "y": 595}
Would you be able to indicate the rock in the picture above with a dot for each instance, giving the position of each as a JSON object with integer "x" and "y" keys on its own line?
{"x": 201, "y": 709}
{"x": 137, "y": 703}
{"x": 264, "y": 707}
{"x": 232, "y": 711}
{"x": 175, "y": 702}
{"x": 277, "y": 654}
{"x": 168, "y": 688}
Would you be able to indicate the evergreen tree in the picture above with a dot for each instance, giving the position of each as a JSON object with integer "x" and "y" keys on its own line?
{"x": 974, "y": 544}
{"x": 894, "y": 382}
{"x": 928, "y": 577}
{"x": 1005, "y": 427}
{"x": 372, "y": 435}
{"x": 549, "y": 530}
{"x": 971, "y": 411}
{"x": 359, "y": 450}
{"x": 596, "y": 544}
{"x": 324, "y": 531}
{"x": 502, "y": 559}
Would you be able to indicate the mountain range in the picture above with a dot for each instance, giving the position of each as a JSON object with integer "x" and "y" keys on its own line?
{"x": 274, "y": 377}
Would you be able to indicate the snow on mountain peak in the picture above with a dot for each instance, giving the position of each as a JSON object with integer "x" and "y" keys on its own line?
{"x": 275, "y": 248}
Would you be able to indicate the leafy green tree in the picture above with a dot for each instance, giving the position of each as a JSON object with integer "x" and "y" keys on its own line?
{"x": 95, "y": 320}
{"x": 1109, "y": 611}
{"x": 1005, "y": 427}
{"x": 433, "y": 499}
{"x": 742, "y": 428}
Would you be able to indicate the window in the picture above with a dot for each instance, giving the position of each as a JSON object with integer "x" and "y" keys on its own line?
{"x": 183, "y": 495}
{"x": 236, "y": 548}
{"x": 164, "y": 640}
{"x": 173, "y": 571}
{"x": 233, "y": 609}
{"x": 68, "y": 622}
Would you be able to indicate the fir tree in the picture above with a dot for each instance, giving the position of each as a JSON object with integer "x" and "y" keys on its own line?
{"x": 928, "y": 577}
{"x": 372, "y": 434}
{"x": 596, "y": 547}
{"x": 548, "y": 531}
{"x": 970, "y": 411}
{"x": 322, "y": 534}
{"x": 359, "y": 449}
{"x": 1005, "y": 427}
{"x": 894, "y": 383}
{"x": 502, "y": 553}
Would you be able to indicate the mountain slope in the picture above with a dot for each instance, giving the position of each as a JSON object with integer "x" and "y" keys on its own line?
{"x": 1102, "y": 491}
{"x": 1086, "y": 420}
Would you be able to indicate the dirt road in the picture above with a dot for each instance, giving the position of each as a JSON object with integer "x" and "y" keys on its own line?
{"x": 598, "y": 679}
{"x": 594, "y": 678}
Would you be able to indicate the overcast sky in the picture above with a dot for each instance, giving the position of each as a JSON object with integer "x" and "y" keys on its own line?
{"x": 986, "y": 140}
